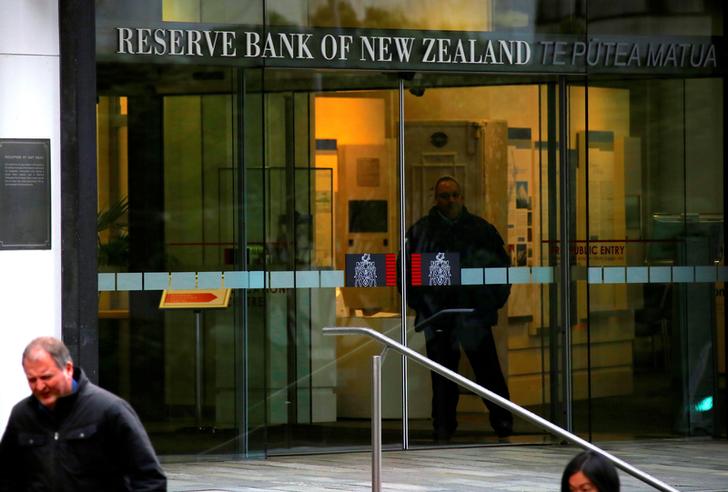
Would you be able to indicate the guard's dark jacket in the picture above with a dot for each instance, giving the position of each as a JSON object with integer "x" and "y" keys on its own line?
{"x": 91, "y": 441}
{"x": 479, "y": 245}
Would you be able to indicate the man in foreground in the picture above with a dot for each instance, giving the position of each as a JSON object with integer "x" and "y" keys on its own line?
{"x": 71, "y": 435}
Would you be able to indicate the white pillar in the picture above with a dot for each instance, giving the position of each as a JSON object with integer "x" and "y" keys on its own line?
{"x": 30, "y": 281}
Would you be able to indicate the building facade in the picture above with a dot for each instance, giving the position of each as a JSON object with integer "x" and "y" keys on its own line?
{"x": 226, "y": 178}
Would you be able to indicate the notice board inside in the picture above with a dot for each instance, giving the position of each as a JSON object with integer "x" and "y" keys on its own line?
{"x": 25, "y": 194}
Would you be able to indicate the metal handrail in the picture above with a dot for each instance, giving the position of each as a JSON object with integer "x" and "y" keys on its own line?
{"x": 477, "y": 389}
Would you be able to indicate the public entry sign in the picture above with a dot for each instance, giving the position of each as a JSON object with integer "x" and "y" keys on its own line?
{"x": 25, "y": 194}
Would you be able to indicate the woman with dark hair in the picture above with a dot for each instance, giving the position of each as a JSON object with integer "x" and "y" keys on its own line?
{"x": 590, "y": 472}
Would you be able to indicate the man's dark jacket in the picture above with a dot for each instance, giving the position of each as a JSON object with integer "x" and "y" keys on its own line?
{"x": 91, "y": 441}
{"x": 479, "y": 245}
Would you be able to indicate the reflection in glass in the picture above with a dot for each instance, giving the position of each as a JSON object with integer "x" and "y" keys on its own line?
{"x": 329, "y": 181}
{"x": 495, "y": 142}
{"x": 465, "y": 15}
{"x": 166, "y": 204}
{"x": 655, "y": 199}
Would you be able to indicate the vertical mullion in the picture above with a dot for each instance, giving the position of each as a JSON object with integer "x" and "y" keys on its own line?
{"x": 403, "y": 267}
{"x": 565, "y": 236}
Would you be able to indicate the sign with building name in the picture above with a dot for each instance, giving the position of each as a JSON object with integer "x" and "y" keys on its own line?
{"x": 405, "y": 49}
{"x": 25, "y": 194}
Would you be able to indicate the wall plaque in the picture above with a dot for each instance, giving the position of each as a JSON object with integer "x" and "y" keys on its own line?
{"x": 25, "y": 194}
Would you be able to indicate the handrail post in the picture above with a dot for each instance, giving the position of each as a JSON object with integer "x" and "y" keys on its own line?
{"x": 376, "y": 423}
{"x": 198, "y": 368}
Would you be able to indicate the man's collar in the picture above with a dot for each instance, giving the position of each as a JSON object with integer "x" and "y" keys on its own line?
{"x": 447, "y": 219}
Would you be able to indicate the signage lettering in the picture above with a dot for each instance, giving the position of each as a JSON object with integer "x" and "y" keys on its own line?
{"x": 442, "y": 50}
{"x": 284, "y": 45}
{"x": 175, "y": 42}
{"x": 593, "y": 250}
{"x": 619, "y": 54}
{"x": 408, "y": 49}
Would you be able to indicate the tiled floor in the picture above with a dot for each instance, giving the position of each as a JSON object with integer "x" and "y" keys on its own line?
{"x": 688, "y": 465}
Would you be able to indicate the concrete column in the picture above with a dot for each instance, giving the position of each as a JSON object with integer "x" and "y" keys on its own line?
{"x": 30, "y": 281}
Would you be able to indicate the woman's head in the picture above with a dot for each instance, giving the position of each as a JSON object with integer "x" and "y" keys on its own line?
{"x": 590, "y": 472}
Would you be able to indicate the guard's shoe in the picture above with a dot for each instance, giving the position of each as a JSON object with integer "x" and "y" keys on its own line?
{"x": 503, "y": 431}
{"x": 442, "y": 436}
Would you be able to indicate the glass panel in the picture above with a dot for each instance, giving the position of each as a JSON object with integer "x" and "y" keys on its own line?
{"x": 331, "y": 221}
{"x": 463, "y": 15}
{"x": 655, "y": 200}
{"x": 167, "y": 203}
{"x": 222, "y": 11}
{"x": 625, "y": 17}
{"x": 170, "y": 143}
{"x": 499, "y": 143}
{"x": 523, "y": 16}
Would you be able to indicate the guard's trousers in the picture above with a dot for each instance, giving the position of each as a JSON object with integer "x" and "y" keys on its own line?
{"x": 443, "y": 346}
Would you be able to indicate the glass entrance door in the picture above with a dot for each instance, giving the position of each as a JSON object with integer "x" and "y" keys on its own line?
{"x": 614, "y": 325}
{"x": 651, "y": 196}
{"x": 168, "y": 154}
{"x": 326, "y": 238}
{"x": 561, "y": 173}
{"x": 482, "y": 165}
{"x": 329, "y": 182}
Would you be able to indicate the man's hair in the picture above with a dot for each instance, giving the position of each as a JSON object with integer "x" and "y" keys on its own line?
{"x": 446, "y": 177}
{"x": 55, "y": 348}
